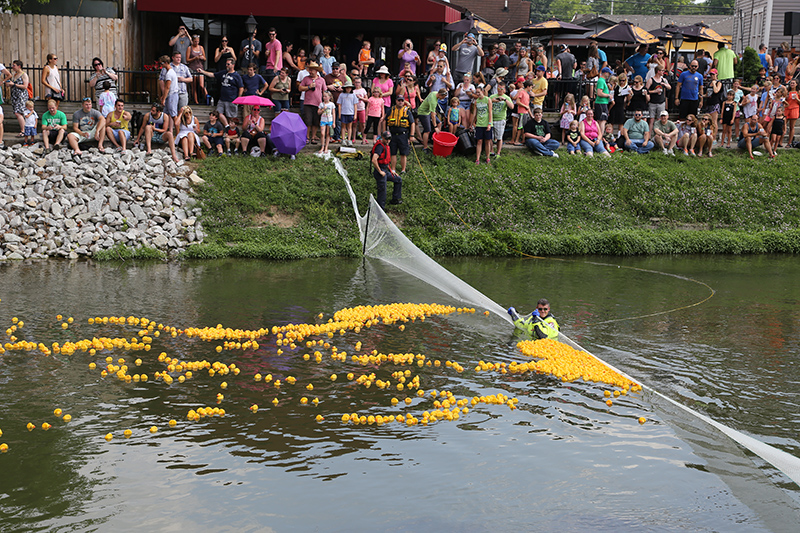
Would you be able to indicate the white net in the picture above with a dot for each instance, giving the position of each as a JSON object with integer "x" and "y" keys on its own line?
{"x": 382, "y": 240}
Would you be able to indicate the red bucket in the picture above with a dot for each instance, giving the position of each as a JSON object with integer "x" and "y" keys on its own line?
{"x": 443, "y": 143}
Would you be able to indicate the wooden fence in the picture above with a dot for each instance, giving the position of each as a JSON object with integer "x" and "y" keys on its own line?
{"x": 76, "y": 40}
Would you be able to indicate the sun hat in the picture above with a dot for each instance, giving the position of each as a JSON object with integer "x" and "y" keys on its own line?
{"x": 348, "y": 83}
{"x": 383, "y": 70}
{"x": 313, "y": 65}
{"x": 501, "y": 73}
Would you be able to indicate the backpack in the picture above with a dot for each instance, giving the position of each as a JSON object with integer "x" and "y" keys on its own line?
{"x": 30, "y": 91}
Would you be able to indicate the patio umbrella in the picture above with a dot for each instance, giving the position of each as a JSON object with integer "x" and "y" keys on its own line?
{"x": 254, "y": 99}
{"x": 550, "y": 27}
{"x": 474, "y": 25}
{"x": 625, "y": 32}
{"x": 700, "y": 31}
{"x": 288, "y": 133}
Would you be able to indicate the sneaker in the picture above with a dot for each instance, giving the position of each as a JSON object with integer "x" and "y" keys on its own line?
{"x": 685, "y": 151}
{"x": 228, "y": 152}
{"x": 666, "y": 152}
{"x": 756, "y": 152}
{"x": 555, "y": 155}
{"x": 395, "y": 202}
{"x": 671, "y": 152}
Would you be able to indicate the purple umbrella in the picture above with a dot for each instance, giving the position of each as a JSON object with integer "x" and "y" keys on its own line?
{"x": 288, "y": 133}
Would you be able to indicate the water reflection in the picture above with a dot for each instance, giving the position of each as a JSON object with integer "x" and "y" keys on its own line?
{"x": 593, "y": 467}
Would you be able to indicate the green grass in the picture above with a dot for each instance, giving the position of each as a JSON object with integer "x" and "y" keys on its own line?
{"x": 542, "y": 206}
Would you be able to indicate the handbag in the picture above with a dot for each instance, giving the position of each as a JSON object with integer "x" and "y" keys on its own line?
{"x": 593, "y": 73}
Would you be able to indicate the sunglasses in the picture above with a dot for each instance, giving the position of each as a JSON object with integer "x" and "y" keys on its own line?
{"x": 53, "y": 58}
{"x": 97, "y": 64}
{"x": 87, "y": 99}
{"x": 224, "y": 40}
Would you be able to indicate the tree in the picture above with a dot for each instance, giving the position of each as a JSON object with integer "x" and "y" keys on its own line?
{"x": 748, "y": 67}
{"x": 15, "y": 6}
{"x": 540, "y": 10}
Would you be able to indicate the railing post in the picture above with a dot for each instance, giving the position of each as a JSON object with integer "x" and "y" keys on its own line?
{"x": 68, "y": 89}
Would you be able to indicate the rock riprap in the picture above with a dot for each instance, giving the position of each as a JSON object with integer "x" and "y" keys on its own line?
{"x": 57, "y": 205}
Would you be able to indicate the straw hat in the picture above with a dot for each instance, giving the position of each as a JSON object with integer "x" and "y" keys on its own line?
{"x": 383, "y": 70}
{"x": 312, "y": 65}
{"x": 501, "y": 73}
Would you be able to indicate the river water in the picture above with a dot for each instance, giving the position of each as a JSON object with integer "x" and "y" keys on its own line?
{"x": 562, "y": 461}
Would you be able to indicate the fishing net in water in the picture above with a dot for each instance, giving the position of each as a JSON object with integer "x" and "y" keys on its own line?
{"x": 382, "y": 240}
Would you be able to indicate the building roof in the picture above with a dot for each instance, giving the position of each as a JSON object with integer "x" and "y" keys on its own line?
{"x": 722, "y": 24}
{"x": 411, "y": 10}
{"x": 494, "y": 12}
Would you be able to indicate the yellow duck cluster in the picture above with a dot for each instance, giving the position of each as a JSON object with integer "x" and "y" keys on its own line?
{"x": 551, "y": 357}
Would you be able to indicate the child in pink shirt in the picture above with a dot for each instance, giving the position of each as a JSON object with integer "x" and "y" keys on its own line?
{"x": 361, "y": 107}
{"x": 375, "y": 113}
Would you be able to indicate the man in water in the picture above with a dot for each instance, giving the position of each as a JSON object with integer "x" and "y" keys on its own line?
{"x": 540, "y": 324}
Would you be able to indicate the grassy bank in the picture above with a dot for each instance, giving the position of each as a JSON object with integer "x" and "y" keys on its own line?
{"x": 573, "y": 205}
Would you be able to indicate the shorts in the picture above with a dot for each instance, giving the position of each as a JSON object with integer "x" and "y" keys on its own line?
{"x": 399, "y": 142}
{"x": 483, "y": 134}
{"x": 464, "y": 105}
{"x": 601, "y": 112}
{"x": 498, "y": 129}
{"x": 348, "y": 119}
{"x": 656, "y": 109}
{"x": 361, "y": 116}
{"x": 171, "y": 105}
{"x": 425, "y": 122}
{"x": 324, "y": 123}
{"x": 29, "y": 131}
{"x": 523, "y": 119}
{"x": 755, "y": 142}
{"x": 52, "y": 135}
{"x": 183, "y": 100}
{"x": 253, "y": 136}
{"x": 227, "y": 109}
{"x": 686, "y": 108}
{"x": 215, "y": 141}
{"x": 158, "y": 137}
{"x": 84, "y": 136}
{"x": 118, "y": 133}
{"x": 310, "y": 116}
{"x": 791, "y": 114}
{"x": 1, "y": 111}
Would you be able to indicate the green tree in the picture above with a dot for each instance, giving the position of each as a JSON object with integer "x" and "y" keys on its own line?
{"x": 540, "y": 10}
{"x": 566, "y": 9}
{"x": 748, "y": 67}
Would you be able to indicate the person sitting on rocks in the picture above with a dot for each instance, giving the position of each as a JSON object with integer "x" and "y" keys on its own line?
{"x": 54, "y": 125}
{"x": 87, "y": 124}
{"x": 157, "y": 127}
{"x": 117, "y": 126}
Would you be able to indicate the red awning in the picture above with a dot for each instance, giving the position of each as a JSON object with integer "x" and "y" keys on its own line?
{"x": 410, "y": 10}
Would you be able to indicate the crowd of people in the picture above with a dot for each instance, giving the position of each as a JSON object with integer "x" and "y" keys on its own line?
{"x": 495, "y": 94}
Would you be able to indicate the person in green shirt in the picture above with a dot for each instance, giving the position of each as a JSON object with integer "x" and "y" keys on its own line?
{"x": 724, "y": 61}
{"x": 482, "y": 123}
{"x": 603, "y": 98}
{"x": 54, "y": 125}
{"x": 426, "y": 112}
{"x": 501, "y": 103}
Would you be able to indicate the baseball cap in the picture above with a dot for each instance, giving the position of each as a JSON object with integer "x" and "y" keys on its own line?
{"x": 607, "y": 70}
{"x": 541, "y": 67}
{"x": 471, "y": 35}
{"x": 399, "y": 97}
{"x": 712, "y": 71}
{"x": 563, "y": 47}
{"x": 386, "y": 135}
{"x": 665, "y": 113}
{"x": 443, "y": 48}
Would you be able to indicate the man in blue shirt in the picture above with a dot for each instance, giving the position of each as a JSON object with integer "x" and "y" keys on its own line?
{"x": 688, "y": 91}
{"x": 638, "y": 61}
{"x": 231, "y": 87}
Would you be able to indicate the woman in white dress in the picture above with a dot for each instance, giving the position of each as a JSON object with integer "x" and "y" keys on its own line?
{"x": 187, "y": 134}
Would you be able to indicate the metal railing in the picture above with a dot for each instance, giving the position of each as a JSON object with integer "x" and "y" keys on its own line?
{"x": 132, "y": 85}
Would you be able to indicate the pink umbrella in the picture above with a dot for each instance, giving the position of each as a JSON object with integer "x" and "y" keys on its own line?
{"x": 254, "y": 99}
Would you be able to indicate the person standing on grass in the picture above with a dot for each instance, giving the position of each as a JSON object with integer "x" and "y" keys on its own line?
{"x": 427, "y": 115}
{"x": 399, "y": 122}
{"x": 482, "y": 124}
{"x": 501, "y": 103}
{"x": 381, "y": 158}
